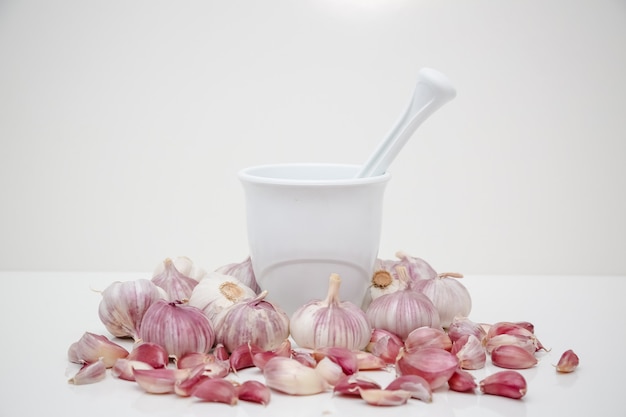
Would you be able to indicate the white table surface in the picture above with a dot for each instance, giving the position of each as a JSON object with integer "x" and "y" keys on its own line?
{"x": 42, "y": 313}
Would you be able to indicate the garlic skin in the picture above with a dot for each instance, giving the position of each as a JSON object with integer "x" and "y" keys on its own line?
{"x": 178, "y": 327}
{"x": 330, "y": 322}
{"x": 447, "y": 294}
{"x": 255, "y": 321}
{"x": 177, "y": 284}
{"x": 243, "y": 272}
{"x": 123, "y": 305}
{"x": 216, "y": 292}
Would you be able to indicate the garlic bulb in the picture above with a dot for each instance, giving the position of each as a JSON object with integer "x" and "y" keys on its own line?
{"x": 243, "y": 272}
{"x": 176, "y": 283}
{"x": 447, "y": 294}
{"x": 178, "y": 327}
{"x": 216, "y": 291}
{"x": 403, "y": 311}
{"x": 123, "y": 305}
{"x": 255, "y": 321}
{"x": 331, "y": 322}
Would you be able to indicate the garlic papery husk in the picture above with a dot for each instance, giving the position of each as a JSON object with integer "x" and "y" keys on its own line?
{"x": 178, "y": 327}
{"x": 216, "y": 291}
{"x": 434, "y": 365}
{"x": 331, "y": 322}
{"x": 447, "y": 294}
{"x": 123, "y": 305}
{"x": 291, "y": 377}
{"x": 243, "y": 272}
{"x": 403, "y": 311}
{"x": 256, "y": 321}
{"x": 185, "y": 266}
{"x": 177, "y": 285}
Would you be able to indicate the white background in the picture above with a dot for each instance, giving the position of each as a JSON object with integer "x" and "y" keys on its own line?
{"x": 123, "y": 125}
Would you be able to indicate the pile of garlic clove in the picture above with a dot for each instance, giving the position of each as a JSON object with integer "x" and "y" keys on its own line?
{"x": 193, "y": 330}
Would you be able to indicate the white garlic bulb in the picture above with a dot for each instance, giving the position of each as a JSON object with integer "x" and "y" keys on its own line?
{"x": 243, "y": 272}
{"x": 255, "y": 321}
{"x": 177, "y": 284}
{"x": 331, "y": 322}
{"x": 447, "y": 293}
{"x": 124, "y": 304}
{"x": 216, "y": 291}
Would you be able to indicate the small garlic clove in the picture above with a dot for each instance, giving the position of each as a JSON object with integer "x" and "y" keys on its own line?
{"x": 462, "y": 326}
{"x": 159, "y": 381}
{"x": 153, "y": 354}
{"x": 416, "y": 385}
{"x": 216, "y": 390}
{"x": 382, "y": 397}
{"x": 291, "y": 377}
{"x": 512, "y": 357}
{"x": 425, "y": 336}
{"x": 193, "y": 359}
{"x": 518, "y": 329}
{"x": 330, "y": 371}
{"x": 254, "y": 391}
{"x": 367, "y": 361}
{"x": 123, "y": 368}
{"x": 185, "y": 387}
{"x": 434, "y": 365}
{"x": 385, "y": 344}
{"x": 350, "y": 385}
{"x": 89, "y": 373}
{"x": 509, "y": 384}
{"x": 462, "y": 381}
{"x": 568, "y": 362}
{"x": 220, "y": 352}
{"x": 346, "y": 358}
{"x": 91, "y": 347}
{"x": 470, "y": 352}
{"x": 243, "y": 356}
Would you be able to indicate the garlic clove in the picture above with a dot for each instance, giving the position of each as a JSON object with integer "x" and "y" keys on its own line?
{"x": 470, "y": 352}
{"x": 461, "y": 326}
{"x": 91, "y": 347}
{"x": 417, "y": 268}
{"x": 425, "y": 336}
{"x": 568, "y": 362}
{"x": 510, "y": 339}
{"x": 220, "y": 352}
{"x": 153, "y": 354}
{"x": 346, "y": 358}
{"x": 509, "y": 384}
{"x": 216, "y": 292}
{"x": 385, "y": 344}
{"x": 434, "y": 365}
{"x": 416, "y": 385}
{"x": 89, "y": 373}
{"x": 216, "y": 390}
{"x": 254, "y": 391}
{"x": 350, "y": 384}
{"x": 382, "y": 397}
{"x": 512, "y": 357}
{"x": 462, "y": 381}
{"x": 516, "y": 329}
{"x": 184, "y": 387}
{"x": 330, "y": 371}
{"x": 159, "y": 381}
{"x": 193, "y": 359}
{"x": 260, "y": 359}
{"x": 305, "y": 358}
{"x": 291, "y": 377}
{"x": 123, "y": 368}
{"x": 367, "y": 361}
{"x": 243, "y": 356}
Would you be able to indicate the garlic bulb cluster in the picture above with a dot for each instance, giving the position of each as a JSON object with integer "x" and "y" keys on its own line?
{"x": 178, "y": 327}
{"x": 243, "y": 272}
{"x": 331, "y": 322}
{"x": 217, "y": 291}
{"x": 252, "y": 322}
{"x": 123, "y": 305}
{"x": 447, "y": 294}
{"x": 177, "y": 277}
{"x": 402, "y": 311}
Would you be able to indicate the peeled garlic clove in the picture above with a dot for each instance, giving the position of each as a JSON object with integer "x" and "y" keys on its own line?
{"x": 367, "y": 361}
{"x": 381, "y": 397}
{"x": 291, "y": 377}
{"x": 216, "y": 390}
{"x": 512, "y": 357}
{"x": 243, "y": 272}
{"x": 91, "y": 347}
{"x": 385, "y": 345}
{"x": 254, "y": 391}
{"x": 345, "y": 358}
{"x": 89, "y": 373}
{"x": 216, "y": 292}
{"x": 123, "y": 368}
{"x": 177, "y": 285}
{"x": 416, "y": 385}
{"x": 568, "y": 362}
{"x": 159, "y": 381}
{"x": 470, "y": 352}
{"x": 462, "y": 381}
{"x": 449, "y": 296}
{"x": 423, "y": 337}
{"x": 153, "y": 354}
{"x": 434, "y": 365}
{"x": 124, "y": 304}
{"x": 462, "y": 326}
{"x": 350, "y": 384}
{"x": 509, "y": 384}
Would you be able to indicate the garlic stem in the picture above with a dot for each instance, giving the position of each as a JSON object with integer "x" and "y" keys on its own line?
{"x": 333, "y": 289}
